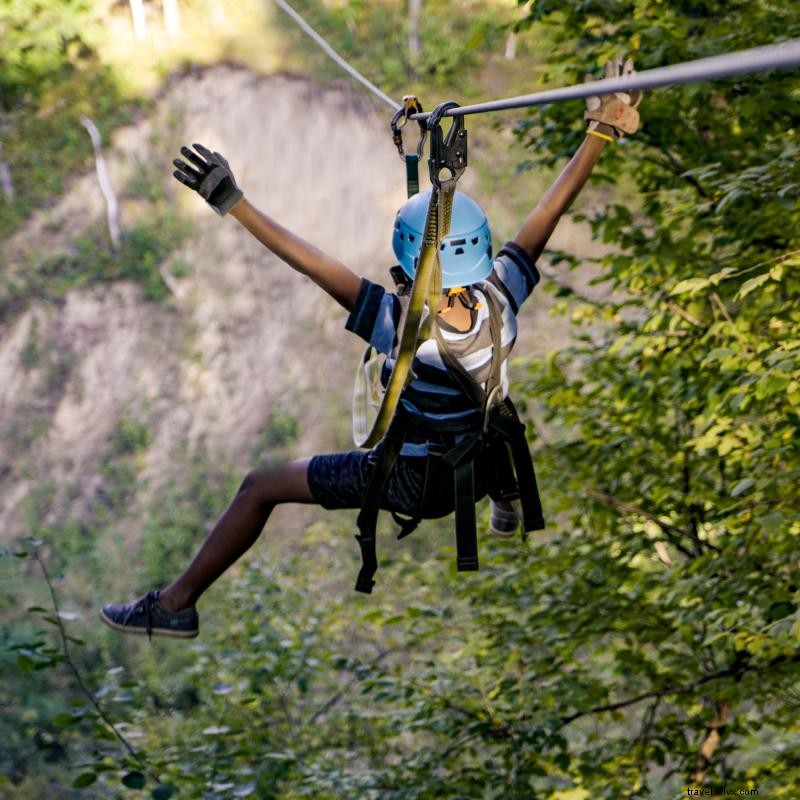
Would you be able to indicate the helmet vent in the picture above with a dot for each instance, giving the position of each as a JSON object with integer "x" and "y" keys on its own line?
{"x": 411, "y": 237}
{"x": 475, "y": 240}
{"x": 457, "y": 242}
{"x": 402, "y": 237}
{"x": 459, "y": 251}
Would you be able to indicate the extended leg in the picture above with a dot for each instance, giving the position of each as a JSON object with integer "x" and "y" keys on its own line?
{"x": 238, "y": 529}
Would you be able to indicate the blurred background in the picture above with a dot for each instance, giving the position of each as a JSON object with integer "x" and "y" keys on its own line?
{"x": 151, "y": 353}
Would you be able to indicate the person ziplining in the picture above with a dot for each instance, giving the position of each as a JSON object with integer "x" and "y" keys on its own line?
{"x": 450, "y": 436}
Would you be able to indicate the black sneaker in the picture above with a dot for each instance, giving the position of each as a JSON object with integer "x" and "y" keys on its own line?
{"x": 146, "y": 615}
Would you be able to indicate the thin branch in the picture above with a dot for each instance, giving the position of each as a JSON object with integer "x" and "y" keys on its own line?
{"x": 760, "y": 264}
{"x": 79, "y": 678}
{"x": 644, "y": 735}
{"x": 674, "y": 166}
{"x": 685, "y": 689}
{"x": 735, "y": 669}
{"x": 673, "y": 533}
{"x": 673, "y": 306}
{"x": 691, "y": 510}
{"x": 725, "y": 313}
{"x": 357, "y": 675}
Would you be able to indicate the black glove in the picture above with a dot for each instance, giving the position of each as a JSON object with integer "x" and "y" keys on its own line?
{"x": 211, "y": 178}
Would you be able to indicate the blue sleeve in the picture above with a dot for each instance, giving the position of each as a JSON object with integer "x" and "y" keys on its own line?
{"x": 375, "y": 317}
{"x": 514, "y": 274}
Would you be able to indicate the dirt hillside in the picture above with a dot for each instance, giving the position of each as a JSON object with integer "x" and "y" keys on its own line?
{"x": 242, "y": 336}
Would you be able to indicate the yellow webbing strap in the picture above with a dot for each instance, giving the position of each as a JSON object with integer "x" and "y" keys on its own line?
{"x": 427, "y": 285}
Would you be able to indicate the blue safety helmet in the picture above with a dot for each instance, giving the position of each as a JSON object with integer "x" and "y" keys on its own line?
{"x": 466, "y": 253}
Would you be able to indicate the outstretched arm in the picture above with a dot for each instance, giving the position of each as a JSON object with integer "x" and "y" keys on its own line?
{"x": 340, "y": 282}
{"x": 610, "y": 117}
{"x": 209, "y": 174}
{"x": 541, "y": 222}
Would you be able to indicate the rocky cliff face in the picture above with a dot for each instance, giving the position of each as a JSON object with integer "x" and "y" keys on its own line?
{"x": 240, "y": 338}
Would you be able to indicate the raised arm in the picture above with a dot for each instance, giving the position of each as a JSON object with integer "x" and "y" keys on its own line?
{"x": 610, "y": 117}
{"x": 541, "y": 222}
{"x": 210, "y": 176}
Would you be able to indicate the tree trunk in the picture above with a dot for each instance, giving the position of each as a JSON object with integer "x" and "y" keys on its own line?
{"x": 414, "y": 11}
{"x": 711, "y": 742}
{"x": 139, "y": 22}
{"x": 6, "y": 184}
{"x": 112, "y": 207}
{"x": 172, "y": 17}
{"x": 511, "y": 46}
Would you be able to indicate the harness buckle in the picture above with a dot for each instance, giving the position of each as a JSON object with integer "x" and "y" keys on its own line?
{"x": 494, "y": 399}
{"x": 447, "y": 152}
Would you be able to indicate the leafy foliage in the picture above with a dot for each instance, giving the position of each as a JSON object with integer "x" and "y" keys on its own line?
{"x": 592, "y": 662}
{"x": 676, "y": 450}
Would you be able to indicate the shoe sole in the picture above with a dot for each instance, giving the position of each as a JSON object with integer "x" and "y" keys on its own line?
{"x": 143, "y": 631}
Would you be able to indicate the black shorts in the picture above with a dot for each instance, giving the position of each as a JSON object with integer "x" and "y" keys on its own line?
{"x": 339, "y": 480}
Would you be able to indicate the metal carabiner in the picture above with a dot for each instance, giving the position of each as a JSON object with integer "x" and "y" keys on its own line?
{"x": 448, "y": 152}
{"x": 411, "y": 105}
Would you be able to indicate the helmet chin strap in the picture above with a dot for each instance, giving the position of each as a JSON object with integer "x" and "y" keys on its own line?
{"x": 464, "y": 295}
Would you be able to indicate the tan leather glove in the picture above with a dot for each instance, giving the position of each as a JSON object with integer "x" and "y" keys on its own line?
{"x": 614, "y": 114}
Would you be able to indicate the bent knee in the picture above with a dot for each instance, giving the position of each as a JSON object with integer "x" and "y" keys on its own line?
{"x": 279, "y": 483}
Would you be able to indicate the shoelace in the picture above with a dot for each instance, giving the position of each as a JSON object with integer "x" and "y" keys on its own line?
{"x": 144, "y": 606}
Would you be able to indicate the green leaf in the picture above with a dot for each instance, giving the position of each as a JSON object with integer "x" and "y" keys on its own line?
{"x": 742, "y": 486}
{"x": 162, "y": 792}
{"x": 64, "y": 720}
{"x": 750, "y": 286}
{"x": 772, "y": 521}
{"x": 84, "y": 779}
{"x": 134, "y": 780}
{"x": 25, "y": 663}
{"x": 690, "y": 286}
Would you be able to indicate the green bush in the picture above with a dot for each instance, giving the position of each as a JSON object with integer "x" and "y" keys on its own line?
{"x": 91, "y": 261}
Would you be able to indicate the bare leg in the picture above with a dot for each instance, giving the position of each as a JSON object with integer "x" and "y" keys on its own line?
{"x": 238, "y": 529}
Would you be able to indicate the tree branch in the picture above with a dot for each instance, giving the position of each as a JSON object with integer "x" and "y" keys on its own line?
{"x": 79, "y": 678}
{"x": 673, "y": 533}
{"x": 685, "y": 689}
{"x": 737, "y": 668}
{"x": 357, "y": 675}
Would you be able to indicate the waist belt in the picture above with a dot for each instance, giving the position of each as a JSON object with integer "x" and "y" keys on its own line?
{"x": 512, "y": 477}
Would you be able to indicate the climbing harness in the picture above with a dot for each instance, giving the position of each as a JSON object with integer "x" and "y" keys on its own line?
{"x": 447, "y": 155}
{"x": 411, "y": 105}
{"x": 499, "y": 438}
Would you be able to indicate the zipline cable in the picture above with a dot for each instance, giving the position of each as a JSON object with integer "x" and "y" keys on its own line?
{"x": 783, "y": 55}
{"x": 335, "y": 56}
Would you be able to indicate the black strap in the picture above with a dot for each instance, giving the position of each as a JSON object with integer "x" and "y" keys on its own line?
{"x": 407, "y": 524}
{"x": 461, "y": 459}
{"x": 505, "y": 424}
{"x": 412, "y": 174}
{"x": 368, "y": 516}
